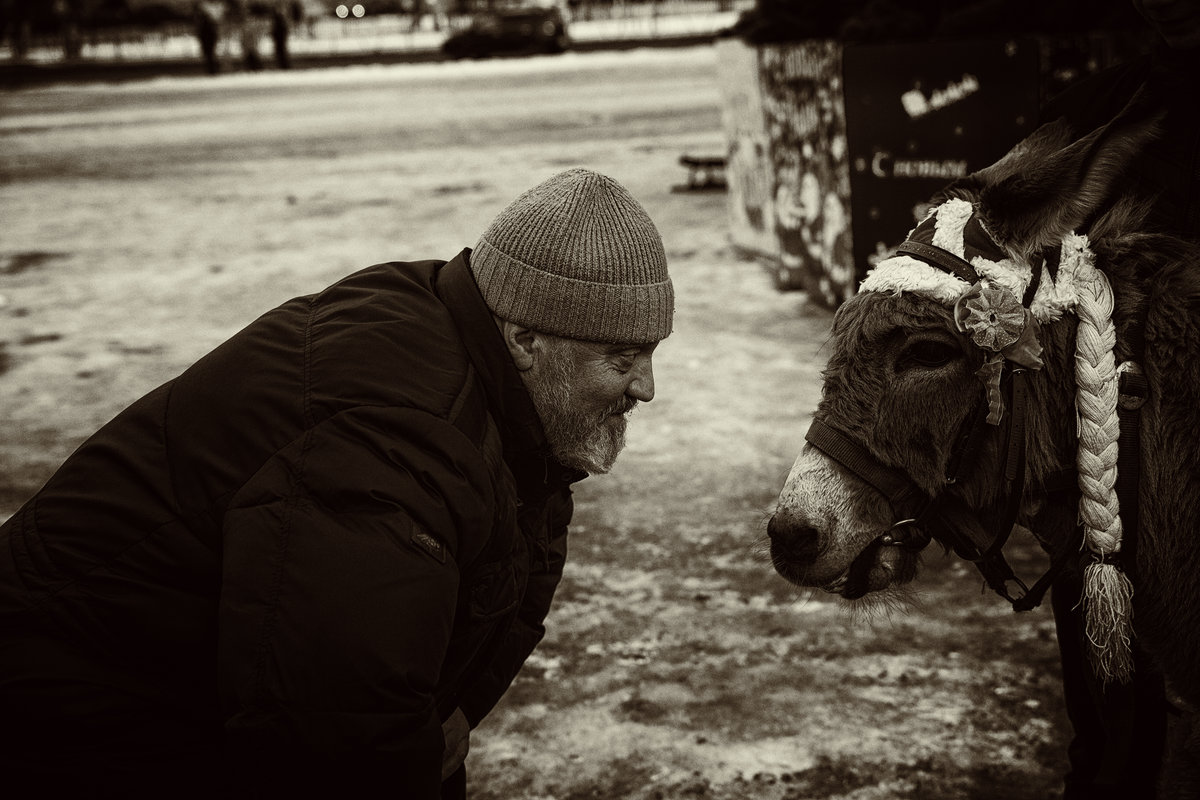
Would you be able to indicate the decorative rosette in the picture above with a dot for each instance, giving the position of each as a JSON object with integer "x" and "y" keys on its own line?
{"x": 998, "y": 323}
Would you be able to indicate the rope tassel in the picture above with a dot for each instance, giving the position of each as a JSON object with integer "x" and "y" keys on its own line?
{"x": 1108, "y": 617}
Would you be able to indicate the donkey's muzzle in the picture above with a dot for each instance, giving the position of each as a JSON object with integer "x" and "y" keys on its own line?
{"x": 793, "y": 545}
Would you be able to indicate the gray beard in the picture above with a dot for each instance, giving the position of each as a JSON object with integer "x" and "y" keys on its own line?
{"x": 577, "y": 440}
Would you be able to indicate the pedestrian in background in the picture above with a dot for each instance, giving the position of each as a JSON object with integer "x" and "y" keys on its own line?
{"x": 248, "y": 19}
{"x": 280, "y": 27}
{"x": 312, "y": 562}
{"x": 207, "y": 15}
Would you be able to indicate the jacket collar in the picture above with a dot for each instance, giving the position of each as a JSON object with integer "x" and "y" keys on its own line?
{"x": 525, "y": 445}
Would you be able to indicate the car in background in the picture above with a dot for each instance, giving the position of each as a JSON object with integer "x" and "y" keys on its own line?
{"x": 358, "y": 9}
{"x": 510, "y": 30}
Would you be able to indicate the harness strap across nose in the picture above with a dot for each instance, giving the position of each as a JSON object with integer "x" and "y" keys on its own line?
{"x": 900, "y": 492}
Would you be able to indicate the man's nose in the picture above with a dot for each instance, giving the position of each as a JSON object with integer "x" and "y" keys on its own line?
{"x": 641, "y": 388}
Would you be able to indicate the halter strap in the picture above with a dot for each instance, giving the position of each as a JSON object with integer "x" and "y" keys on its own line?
{"x": 942, "y": 259}
{"x": 890, "y": 483}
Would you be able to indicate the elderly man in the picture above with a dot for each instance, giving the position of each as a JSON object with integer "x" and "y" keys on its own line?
{"x": 318, "y": 557}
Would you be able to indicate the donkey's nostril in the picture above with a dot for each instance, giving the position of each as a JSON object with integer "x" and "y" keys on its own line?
{"x": 791, "y": 543}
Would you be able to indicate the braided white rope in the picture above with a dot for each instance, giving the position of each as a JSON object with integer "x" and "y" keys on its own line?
{"x": 1107, "y": 595}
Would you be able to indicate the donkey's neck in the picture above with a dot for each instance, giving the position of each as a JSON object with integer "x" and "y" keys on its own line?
{"x": 1051, "y": 439}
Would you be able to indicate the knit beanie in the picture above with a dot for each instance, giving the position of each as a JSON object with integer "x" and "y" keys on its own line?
{"x": 577, "y": 256}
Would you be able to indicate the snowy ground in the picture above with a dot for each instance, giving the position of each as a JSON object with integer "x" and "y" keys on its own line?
{"x": 143, "y": 223}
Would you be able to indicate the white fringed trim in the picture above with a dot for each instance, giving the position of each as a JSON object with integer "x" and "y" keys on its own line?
{"x": 1053, "y": 297}
{"x": 1007, "y": 273}
{"x": 1075, "y": 266}
{"x": 908, "y": 274}
{"x": 952, "y": 217}
{"x": 1047, "y": 305}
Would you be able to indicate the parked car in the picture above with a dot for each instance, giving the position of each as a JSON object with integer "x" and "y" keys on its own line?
{"x": 358, "y": 9}
{"x": 510, "y": 31}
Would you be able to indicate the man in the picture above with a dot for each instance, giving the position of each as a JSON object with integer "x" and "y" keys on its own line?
{"x": 318, "y": 557}
{"x": 207, "y": 15}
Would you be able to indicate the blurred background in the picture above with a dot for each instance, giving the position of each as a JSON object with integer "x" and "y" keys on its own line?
{"x": 170, "y": 170}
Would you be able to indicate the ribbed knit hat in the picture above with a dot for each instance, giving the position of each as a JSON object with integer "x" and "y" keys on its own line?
{"x": 577, "y": 256}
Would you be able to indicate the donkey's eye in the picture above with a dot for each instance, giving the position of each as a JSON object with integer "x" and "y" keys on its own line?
{"x": 928, "y": 354}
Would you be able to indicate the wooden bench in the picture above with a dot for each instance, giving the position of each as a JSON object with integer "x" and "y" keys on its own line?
{"x": 704, "y": 172}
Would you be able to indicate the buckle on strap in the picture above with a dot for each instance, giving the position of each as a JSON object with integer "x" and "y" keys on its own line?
{"x": 905, "y": 534}
{"x": 1132, "y": 387}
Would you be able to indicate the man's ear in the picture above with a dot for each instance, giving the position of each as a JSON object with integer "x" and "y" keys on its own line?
{"x": 519, "y": 341}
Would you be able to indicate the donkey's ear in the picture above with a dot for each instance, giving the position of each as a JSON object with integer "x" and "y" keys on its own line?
{"x": 1046, "y": 140}
{"x": 1044, "y": 193}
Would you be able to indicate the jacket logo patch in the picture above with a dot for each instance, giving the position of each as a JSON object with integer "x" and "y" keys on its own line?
{"x": 429, "y": 544}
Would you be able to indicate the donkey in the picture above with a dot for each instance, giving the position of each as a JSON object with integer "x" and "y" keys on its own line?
{"x": 1029, "y": 335}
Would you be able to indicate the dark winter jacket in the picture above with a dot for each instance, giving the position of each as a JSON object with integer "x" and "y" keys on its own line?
{"x": 312, "y": 546}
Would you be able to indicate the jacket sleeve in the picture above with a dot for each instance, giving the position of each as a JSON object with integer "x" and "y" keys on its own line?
{"x": 528, "y": 628}
{"x": 340, "y": 584}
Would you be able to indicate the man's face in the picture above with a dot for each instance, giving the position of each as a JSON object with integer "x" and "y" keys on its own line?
{"x": 582, "y": 392}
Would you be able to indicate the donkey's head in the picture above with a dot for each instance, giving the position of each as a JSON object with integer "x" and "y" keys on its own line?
{"x": 917, "y": 404}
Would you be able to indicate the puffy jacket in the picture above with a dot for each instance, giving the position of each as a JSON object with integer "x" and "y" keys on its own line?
{"x": 298, "y": 557}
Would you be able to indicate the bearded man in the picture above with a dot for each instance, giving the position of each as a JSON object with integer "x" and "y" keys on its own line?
{"x": 315, "y": 560}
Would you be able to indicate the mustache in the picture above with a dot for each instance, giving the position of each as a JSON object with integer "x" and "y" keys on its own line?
{"x": 622, "y": 407}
